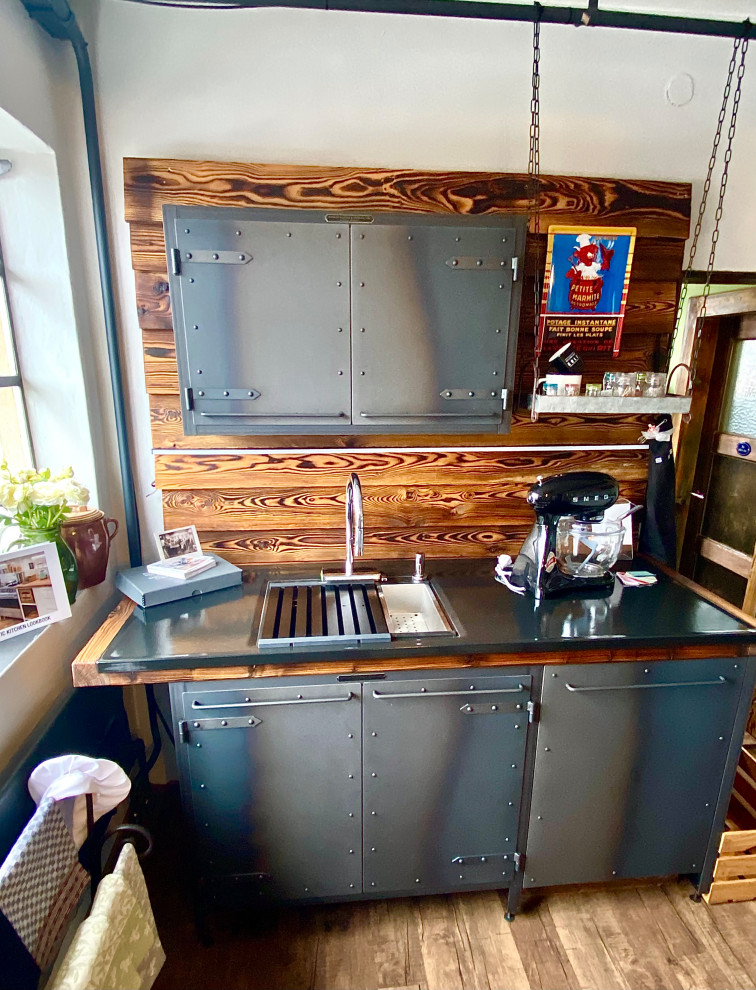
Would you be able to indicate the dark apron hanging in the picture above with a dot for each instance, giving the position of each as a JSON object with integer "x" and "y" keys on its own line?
{"x": 658, "y": 536}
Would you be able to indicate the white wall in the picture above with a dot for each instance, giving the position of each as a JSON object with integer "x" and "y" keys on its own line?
{"x": 47, "y": 233}
{"x": 370, "y": 89}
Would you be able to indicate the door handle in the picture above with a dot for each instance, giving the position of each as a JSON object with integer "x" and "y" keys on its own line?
{"x": 448, "y": 694}
{"x": 697, "y": 495}
{"x": 431, "y": 415}
{"x": 719, "y": 682}
{"x": 276, "y": 416}
{"x": 284, "y": 701}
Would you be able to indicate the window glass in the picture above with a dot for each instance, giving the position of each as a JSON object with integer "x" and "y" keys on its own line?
{"x": 15, "y": 444}
{"x": 739, "y": 410}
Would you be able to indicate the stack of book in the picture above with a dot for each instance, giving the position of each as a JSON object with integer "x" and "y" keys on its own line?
{"x": 181, "y": 568}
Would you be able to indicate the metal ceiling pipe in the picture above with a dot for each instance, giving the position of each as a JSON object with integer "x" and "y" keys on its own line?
{"x": 57, "y": 18}
{"x": 575, "y": 16}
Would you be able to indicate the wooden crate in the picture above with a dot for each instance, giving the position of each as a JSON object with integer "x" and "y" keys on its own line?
{"x": 735, "y": 870}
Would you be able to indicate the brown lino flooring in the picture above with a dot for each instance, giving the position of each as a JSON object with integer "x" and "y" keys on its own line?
{"x": 633, "y": 936}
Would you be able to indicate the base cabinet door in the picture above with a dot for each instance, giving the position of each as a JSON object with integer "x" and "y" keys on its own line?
{"x": 442, "y": 780}
{"x": 273, "y": 779}
{"x": 629, "y": 766}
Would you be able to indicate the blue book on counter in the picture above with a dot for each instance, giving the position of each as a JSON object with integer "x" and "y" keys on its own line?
{"x": 153, "y": 589}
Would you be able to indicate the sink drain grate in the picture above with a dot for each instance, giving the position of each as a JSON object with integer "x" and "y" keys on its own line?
{"x": 300, "y": 613}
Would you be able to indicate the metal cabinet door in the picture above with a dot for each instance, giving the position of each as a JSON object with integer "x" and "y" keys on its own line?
{"x": 273, "y": 775}
{"x": 442, "y": 778}
{"x": 629, "y": 764}
{"x": 431, "y": 340}
{"x": 261, "y": 314}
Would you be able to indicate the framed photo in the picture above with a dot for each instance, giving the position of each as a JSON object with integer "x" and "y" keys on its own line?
{"x": 32, "y": 590}
{"x": 182, "y": 542}
{"x": 585, "y": 288}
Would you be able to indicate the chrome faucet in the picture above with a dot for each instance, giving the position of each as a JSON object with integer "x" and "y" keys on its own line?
{"x": 354, "y": 538}
{"x": 354, "y": 523}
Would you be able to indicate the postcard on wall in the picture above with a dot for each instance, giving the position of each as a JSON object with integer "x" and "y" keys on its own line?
{"x": 585, "y": 288}
{"x": 32, "y": 590}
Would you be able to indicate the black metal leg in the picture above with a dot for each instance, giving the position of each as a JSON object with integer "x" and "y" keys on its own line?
{"x": 702, "y": 884}
{"x": 513, "y": 900}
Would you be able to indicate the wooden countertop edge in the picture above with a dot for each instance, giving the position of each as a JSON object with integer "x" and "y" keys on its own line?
{"x": 86, "y": 674}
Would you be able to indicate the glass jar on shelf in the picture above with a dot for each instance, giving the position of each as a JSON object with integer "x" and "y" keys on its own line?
{"x": 655, "y": 385}
{"x": 624, "y": 384}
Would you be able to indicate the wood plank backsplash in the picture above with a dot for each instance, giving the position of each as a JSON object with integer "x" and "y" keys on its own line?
{"x": 426, "y": 493}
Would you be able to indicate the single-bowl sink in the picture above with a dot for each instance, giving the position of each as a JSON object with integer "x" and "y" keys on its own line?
{"x": 317, "y": 613}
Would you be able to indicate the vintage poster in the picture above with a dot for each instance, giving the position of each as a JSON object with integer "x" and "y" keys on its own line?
{"x": 585, "y": 288}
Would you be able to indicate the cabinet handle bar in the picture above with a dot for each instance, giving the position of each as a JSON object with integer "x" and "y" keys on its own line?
{"x": 431, "y": 415}
{"x": 447, "y": 694}
{"x": 284, "y": 701}
{"x": 719, "y": 682}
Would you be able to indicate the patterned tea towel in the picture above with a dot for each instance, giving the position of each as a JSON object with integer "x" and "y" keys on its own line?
{"x": 117, "y": 947}
{"x": 41, "y": 883}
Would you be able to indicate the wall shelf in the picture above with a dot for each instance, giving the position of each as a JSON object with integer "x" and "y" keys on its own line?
{"x": 612, "y": 405}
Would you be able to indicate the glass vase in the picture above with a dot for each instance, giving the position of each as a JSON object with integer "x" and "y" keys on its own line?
{"x": 30, "y": 536}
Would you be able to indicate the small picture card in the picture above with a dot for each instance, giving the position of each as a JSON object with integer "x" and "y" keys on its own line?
{"x": 32, "y": 590}
{"x": 182, "y": 542}
{"x": 585, "y": 288}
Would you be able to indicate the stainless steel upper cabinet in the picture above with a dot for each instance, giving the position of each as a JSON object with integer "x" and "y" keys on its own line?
{"x": 297, "y": 321}
{"x": 433, "y": 301}
{"x": 261, "y": 317}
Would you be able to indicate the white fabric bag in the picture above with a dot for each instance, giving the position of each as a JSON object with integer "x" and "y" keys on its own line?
{"x": 74, "y": 776}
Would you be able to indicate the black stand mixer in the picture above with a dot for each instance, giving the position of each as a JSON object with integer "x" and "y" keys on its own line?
{"x": 565, "y": 552}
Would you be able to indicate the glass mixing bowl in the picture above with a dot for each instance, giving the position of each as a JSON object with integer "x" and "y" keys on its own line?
{"x": 587, "y": 549}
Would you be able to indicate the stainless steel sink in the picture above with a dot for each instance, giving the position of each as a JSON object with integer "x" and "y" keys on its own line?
{"x": 414, "y": 610}
{"x": 315, "y": 612}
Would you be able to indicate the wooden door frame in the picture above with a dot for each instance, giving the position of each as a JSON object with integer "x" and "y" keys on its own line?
{"x": 687, "y": 436}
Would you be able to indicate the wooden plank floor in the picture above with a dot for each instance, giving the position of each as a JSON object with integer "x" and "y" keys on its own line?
{"x": 633, "y": 937}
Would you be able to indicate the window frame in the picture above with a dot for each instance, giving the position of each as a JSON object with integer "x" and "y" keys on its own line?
{"x": 15, "y": 380}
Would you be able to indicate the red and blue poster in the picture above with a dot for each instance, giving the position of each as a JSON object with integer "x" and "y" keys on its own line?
{"x": 585, "y": 288}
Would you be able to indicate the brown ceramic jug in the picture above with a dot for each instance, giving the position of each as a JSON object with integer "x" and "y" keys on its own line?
{"x": 89, "y": 534}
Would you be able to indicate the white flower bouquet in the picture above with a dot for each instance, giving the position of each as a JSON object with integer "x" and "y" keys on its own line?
{"x": 38, "y": 499}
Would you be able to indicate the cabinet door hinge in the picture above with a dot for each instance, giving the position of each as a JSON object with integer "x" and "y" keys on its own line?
{"x": 189, "y": 399}
{"x": 175, "y": 261}
{"x": 519, "y": 861}
{"x": 183, "y": 727}
{"x": 532, "y": 711}
{"x": 515, "y": 264}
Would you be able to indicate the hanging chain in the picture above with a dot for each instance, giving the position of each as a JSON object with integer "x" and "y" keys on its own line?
{"x": 739, "y": 45}
{"x": 534, "y": 189}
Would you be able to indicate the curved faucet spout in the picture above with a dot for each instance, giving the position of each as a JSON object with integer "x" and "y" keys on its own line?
{"x": 354, "y": 523}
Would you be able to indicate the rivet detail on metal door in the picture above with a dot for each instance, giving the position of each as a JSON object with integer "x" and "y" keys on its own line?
{"x": 232, "y": 722}
{"x": 471, "y": 263}
{"x": 476, "y": 392}
{"x": 217, "y": 257}
{"x": 229, "y": 393}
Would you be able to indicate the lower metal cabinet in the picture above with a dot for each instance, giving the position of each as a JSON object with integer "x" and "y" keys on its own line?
{"x": 631, "y": 760}
{"x": 272, "y": 776}
{"x": 443, "y": 765}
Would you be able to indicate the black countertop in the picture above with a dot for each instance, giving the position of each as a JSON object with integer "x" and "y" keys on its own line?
{"x": 220, "y": 629}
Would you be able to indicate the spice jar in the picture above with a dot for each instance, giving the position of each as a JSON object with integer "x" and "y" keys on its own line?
{"x": 593, "y": 391}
